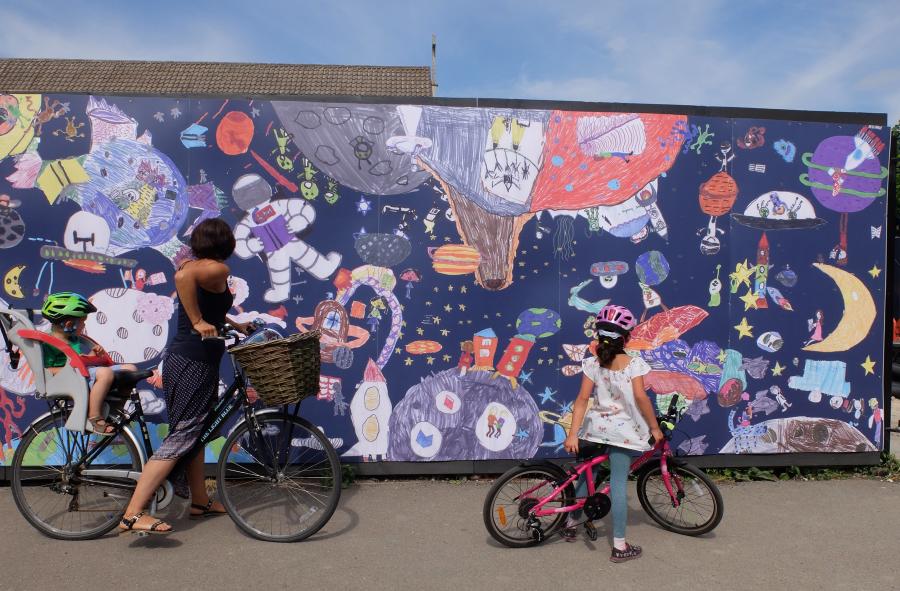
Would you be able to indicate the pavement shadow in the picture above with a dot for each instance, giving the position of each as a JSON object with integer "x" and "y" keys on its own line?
{"x": 352, "y": 518}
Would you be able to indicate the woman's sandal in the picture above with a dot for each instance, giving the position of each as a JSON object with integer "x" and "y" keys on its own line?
{"x": 99, "y": 426}
{"x": 130, "y": 522}
{"x": 205, "y": 511}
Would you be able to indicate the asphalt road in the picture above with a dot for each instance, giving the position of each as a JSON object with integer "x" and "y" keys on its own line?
{"x": 427, "y": 535}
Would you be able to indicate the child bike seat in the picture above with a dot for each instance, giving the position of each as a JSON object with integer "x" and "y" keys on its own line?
{"x": 68, "y": 383}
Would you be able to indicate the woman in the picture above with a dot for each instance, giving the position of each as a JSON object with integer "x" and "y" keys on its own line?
{"x": 190, "y": 378}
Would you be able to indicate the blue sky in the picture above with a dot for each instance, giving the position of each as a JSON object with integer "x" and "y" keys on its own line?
{"x": 798, "y": 55}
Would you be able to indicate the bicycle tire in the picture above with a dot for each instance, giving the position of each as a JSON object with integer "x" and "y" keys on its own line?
{"x": 698, "y": 479}
{"x": 234, "y": 478}
{"x": 494, "y": 515}
{"x": 29, "y": 479}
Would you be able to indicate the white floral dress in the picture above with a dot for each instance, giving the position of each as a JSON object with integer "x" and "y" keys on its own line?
{"x": 614, "y": 418}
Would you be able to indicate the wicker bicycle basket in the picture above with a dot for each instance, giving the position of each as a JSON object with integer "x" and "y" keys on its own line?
{"x": 282, "y": 371}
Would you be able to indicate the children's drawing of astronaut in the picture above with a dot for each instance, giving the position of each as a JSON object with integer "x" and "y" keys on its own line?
{"x": 269, "y": 228}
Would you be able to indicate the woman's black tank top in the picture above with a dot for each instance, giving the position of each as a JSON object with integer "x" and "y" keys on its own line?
{"x": 213, "y": 308}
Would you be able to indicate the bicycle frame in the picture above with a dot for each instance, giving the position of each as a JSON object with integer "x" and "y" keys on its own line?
{"x": 661, "y": 448}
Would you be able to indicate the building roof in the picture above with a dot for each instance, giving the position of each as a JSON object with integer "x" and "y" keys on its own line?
{"x": 209, "y": 78}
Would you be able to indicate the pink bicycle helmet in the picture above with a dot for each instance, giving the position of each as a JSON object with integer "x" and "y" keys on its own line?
{"x": 619, "y": 316}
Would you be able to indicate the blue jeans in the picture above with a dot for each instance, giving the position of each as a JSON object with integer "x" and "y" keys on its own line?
{"x": 619, "y": 464}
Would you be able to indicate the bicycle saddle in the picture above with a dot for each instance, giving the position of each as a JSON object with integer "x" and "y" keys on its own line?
{"x": 125, "y": 380}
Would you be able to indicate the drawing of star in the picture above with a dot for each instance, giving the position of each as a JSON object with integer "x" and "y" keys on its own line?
{"x": 868, "y": 365}
{"x": 432, "y": 237}
{"x": 407, "y": 361}
{"x": 363, "y": 206}
{"x": 446, "y": 239}
{"x": 497, "y": 314}
{"x": 175, "y": 112}
{"x": 400, "y": 335}
{"x": 436, "y": 289}
{"x": 403, "y": 323}
{"x": 398, "y": 350}
{"x": 777, "y": 369}
{"x": 463, "y": 289}
{"x": 540, "y": 361}
{"x": 749, "y": 300}
{"x": 444, "y": 332}
{"x": 742, "y": 274}
{"x": 744, "y": 329}
{"x": 721, "y": 356}
{"x": 874, "y": 271}
{"x": 450, "y": 287}
{"x": 297, "y": 298}
{"x": 420, "y": 331}
{"x": 564, "y": 408}
{"x": 550, "y": 361}
{"x": 159, "y": 116}
{"x": 522, "y": 434}
{"x": 448, "y": 308}
{"x": 462, "y": 307}
{"x": 469, "y": 321}
{"x": 254, "y": 112}
{"x": 697, "y": 409}
{"x": 445, "y": 357}
{"x": 485, "y": 316}
{"x": 525, "y": 376}
{"x": 547, "y": 395}
{"x": 521, "y": 263}
{"x": 429, "y": 360}
{"x": 428, "y": 302}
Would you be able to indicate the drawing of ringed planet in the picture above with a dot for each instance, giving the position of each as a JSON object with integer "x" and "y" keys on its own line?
{"x": 779, "y": 210}
{"x": 859, "y": 312}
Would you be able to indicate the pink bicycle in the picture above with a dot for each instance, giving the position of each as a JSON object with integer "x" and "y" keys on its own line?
{"x": 529, "y": 503}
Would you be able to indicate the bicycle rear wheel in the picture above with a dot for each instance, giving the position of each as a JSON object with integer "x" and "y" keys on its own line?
{"x": 700, "y": 505}
{"x": 512, "y": 497}
{"x": 61, "y": 501}
{"x": 279, "y": 479}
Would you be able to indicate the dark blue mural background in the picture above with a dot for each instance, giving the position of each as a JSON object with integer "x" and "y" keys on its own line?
{"x": 450, "y": 309}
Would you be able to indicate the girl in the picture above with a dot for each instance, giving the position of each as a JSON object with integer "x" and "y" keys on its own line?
{"x": 621, "y": 418}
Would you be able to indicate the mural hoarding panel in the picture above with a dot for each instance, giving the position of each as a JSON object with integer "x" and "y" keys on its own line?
{"x": 454, "y": 255}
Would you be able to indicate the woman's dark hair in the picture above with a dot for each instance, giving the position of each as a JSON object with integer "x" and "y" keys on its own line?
{"x": 608, "y": 346}
{"x": 212, "y": 239}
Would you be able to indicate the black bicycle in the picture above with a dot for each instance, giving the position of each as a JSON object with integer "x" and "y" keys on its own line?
{"x": 278, "y": 476}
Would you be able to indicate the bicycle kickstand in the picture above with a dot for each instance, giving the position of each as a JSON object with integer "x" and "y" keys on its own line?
{"x": 591, "y": 530}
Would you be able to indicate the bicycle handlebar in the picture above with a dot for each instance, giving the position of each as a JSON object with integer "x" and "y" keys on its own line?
{"x": 225, "y": 332}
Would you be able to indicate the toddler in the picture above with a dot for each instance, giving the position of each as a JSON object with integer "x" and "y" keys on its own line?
{"x": 66, "y": 312}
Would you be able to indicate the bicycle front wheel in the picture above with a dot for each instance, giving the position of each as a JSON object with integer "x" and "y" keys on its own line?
{"x": 62, "y": 499}
{"x": 280, "y": 478}
{"x": 697, "y": 507}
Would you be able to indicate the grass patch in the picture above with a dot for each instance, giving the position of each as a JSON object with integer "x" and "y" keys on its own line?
{"x": 888, "y": 469}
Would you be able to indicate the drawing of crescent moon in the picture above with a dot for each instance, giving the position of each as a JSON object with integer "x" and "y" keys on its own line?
{"x": 859, "y": 312}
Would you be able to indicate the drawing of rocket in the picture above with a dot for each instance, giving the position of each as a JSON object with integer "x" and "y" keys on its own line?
{"x": 370, "y": 411}
{"x": 762, "y": 272}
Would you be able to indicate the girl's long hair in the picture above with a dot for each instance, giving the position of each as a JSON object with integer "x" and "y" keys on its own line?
{"x": 607, "y": 346}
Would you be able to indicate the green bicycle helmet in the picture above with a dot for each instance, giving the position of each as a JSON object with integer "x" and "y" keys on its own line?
{"x": 66, "y": 304}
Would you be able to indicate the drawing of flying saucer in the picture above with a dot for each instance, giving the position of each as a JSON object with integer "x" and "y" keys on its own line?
{"x": 779, "y": 210}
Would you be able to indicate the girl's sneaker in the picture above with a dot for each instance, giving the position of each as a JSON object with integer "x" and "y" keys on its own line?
{"x": 629, "y": 553}
{"x": 569, "y": 534}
